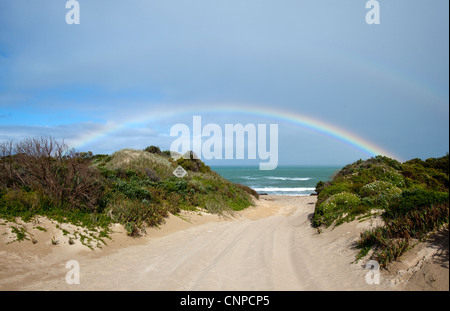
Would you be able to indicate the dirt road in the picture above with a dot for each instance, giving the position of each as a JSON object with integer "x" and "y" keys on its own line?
{"x": 271, "y": 246}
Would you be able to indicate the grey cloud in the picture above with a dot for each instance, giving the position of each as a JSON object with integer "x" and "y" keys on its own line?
{"x": 309, "y": 56}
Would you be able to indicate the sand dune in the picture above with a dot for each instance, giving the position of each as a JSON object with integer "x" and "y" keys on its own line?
{"x": 271, "y": 246}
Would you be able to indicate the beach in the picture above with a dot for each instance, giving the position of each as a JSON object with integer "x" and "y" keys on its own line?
{"x": 270, "y": 246}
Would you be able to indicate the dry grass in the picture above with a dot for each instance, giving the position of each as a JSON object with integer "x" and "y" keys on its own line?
{"x": 139, "y": 160}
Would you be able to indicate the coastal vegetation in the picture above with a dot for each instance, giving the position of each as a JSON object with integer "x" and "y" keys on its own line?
{"x": 42, "y": 177}
{"x": 136, "y": 188}
{"x": 412, "y": 198}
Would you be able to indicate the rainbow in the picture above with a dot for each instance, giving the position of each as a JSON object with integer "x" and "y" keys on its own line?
{"x": 289, "y": 117}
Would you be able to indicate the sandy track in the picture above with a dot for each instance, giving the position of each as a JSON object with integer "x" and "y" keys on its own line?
{"x": 271, "y": 246}
{"x": 267, "y": 247}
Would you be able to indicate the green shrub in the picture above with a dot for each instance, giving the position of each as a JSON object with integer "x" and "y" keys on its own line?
{"x": 429, "y": 177}
{"x": 153, "y": 149}
{"x": 133, "y": 214}
{"x": 216, "y": 206}
{"x": 392, "y": 251}
{"x": 319, "y": 186}
{"x": 379, "y": 194}
{"x": 25, "y": 204}
{"x": 20, "y": 232}
{"x": 345, "y": 199}
{"x": 174, "y": 184}
{"x": 380, "y": 183}
{"x": 197, "y": 185}
{"x": 379, "y": 187}
{"x": 390, "y": 175}
{"x": 132, "y": 190}
{"x": 193, "y": 165}
{"x": 392, "y": 240}
{"x": 415, "y": 198}
{"x": 335, "y": 207}
{"x": 333, "y": 188}
{"x": 248, "y": 190}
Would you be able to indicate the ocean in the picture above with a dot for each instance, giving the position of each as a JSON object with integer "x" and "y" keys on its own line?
{"x": 298, "y": 181}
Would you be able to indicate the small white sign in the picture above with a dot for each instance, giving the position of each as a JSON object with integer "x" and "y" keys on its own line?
{"x": 180, "y": 172}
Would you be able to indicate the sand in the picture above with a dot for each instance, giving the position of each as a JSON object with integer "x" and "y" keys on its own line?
{"x": 270, "y": 246}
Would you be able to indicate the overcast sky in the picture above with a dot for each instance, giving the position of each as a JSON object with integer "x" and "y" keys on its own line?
{"x": 130, "y": 62}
